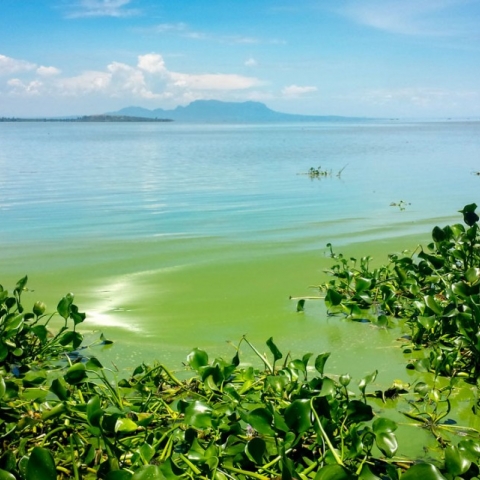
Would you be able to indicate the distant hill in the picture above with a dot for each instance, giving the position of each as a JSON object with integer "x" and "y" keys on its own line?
{"x": 87, "y": 118}
{"x": 215, "y": 111}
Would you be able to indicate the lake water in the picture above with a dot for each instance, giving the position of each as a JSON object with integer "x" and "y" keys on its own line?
{"x": 178, "y": 236}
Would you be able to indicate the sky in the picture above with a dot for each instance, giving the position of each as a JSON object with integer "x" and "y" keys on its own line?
{"x": 374, "y": 58}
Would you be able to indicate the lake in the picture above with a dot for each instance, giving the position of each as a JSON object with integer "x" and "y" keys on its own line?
{"x": 177, "y": 236}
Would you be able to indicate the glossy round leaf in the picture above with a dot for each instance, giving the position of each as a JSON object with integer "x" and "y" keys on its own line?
{"x": 255, "y": 449}
{"x": 3, "y": 387}
{"x": 4, "y": 475}
{"x": 384, "y": 425}
{"x": 387, "y": 443}
{"x": 359, "y": 411}
{"x": 118, "y": 475}
{"x": 423, "y": 471}
{"x": 125, "y": 425}
{"x": 320, "y": 362}
{"x": 197, "y": 358}
{"x": 75, "y": 374}
{"x": 261, "y": 420}
{"x": 457, "y": 461}
{"x": 148, "y": 472}
{"x": 198, "y": 414}
{"x": 297, "y": 415}
{"x": 63, "y": 307}
{"x": 366, "y": 474}
{"x": 333, "y": 472}
{"x": 277, "y": 354}
{"x": 41, "y": 465}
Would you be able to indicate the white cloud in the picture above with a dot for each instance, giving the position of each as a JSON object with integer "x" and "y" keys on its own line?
{"x": 10, "y": 65}
{"x": 102, "y": 8}
{"x": 408, "y": 17}
{"x": 18, "y": 87}
{"x": 149, "y": 78}
{"x": 85, "y": 83}
{"x": 251, "y": 62}
{"x": 48, "y": 71}
{"x": 215, "y": 81}
{"x": 170, "y": 27}
{"x": 295, "y": 91}
{"x": 152, "y": 63}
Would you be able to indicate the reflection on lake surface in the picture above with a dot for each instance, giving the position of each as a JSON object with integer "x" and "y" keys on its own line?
{"x": 176, "y": 236}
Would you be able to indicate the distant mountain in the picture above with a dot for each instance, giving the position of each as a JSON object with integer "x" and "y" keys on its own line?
{"x": 215, "y": 111}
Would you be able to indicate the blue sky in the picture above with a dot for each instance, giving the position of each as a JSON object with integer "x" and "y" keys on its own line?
{"x": 380, "y": 58}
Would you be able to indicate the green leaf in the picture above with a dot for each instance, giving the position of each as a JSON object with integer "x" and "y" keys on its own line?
{"x": 147, "y": 452}
{"x": 196, "y": 452}
{"x": 362, "y": 284}
{"x": 320, "y": 362}
{"x": 461, "y": 289}
{"x": 8, "y": 461}
{"x": 277, "y": 354}
{"x": 469, "y": 215}
{"x": 472, "y": 446}
{"x": 118, "y": 475}
{"x": 301, "y": 305}
{"x": 333, "y": 298}
{"x": 3, "y": 387}
{"x": 41, "y": 332}
{"x": 255, "y": 450}
{"x": 198, "y": 414}
{"x": 197, "y": 358}
{"x": 387, "y": 443}
{"x": 76, "y": 316}
{"x": 94, "y": 411}
{"x": 427, "y": 322}
{"x": 472, "y": 275}
{"x": 172, "y": 471}
{"x": 362, "y": 384}
{"x": 63, "y": 307}
{"x": 328, "y": 387}
{"x": 59, "y": 388}
{"x": 261, "y": 420}
{"x": 4, "y": 475}
{"x": 75, "y": 338}
{"x": 75, "y": 374}
{"x": 41, "y": 465}
{"x": 457, "y": 461}
{"x": 384, "y": 425}
{"x": 21, "y": 285}
{"x": 298, "y": 415}
{"x": 125, "y": 425}
{"x": 366, "y": 474}
{"x": 423, "y": 471}
{"x": 433, "y": 305}
{"x": 438, "y": 235}
{"x": 333, "y": 472}
{"x": 148, "y": 472}
{"x": 358, "y": 411}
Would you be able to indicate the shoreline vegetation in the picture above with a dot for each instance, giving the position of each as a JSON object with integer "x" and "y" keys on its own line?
{"x": 65, "y": 415}
{"x": 88, "y": 118}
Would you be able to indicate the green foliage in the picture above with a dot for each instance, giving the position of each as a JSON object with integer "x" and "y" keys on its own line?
{"x": 64, "y": 415}
{"x": 24, "y": 336}
{"x": 435, "y": 291}
{"x": 319, "y": 172}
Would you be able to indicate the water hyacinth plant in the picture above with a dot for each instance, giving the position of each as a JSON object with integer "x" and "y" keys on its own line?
{"x": 65, "y": 415}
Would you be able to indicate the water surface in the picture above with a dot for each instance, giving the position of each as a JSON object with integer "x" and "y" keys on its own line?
{"x": 174, "y": 236}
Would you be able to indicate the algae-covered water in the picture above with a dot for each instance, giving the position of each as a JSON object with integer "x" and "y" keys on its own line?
{"x": 181, "y": 236}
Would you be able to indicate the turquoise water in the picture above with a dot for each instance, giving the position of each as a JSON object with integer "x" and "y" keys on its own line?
{"x": 175, "y": 236}
{"x": 63, "y": 181}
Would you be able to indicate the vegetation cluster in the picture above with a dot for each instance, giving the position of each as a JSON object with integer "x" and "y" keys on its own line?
{"x": 64, "y": 415}
{"x": 88, "y": 118}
